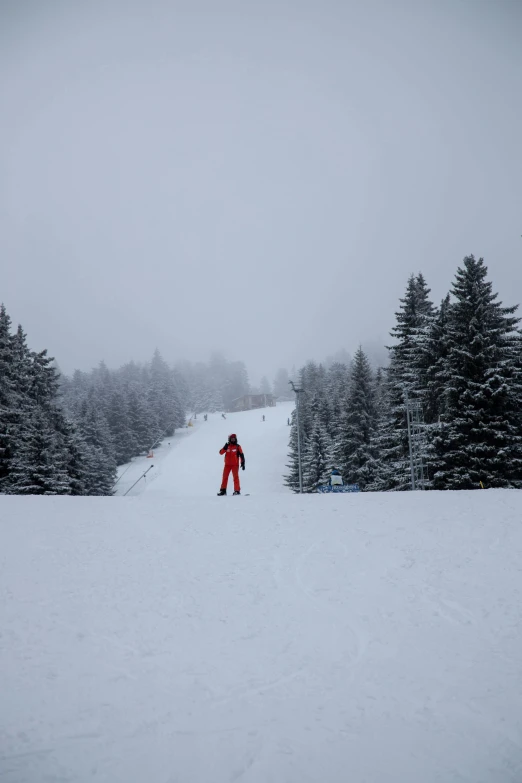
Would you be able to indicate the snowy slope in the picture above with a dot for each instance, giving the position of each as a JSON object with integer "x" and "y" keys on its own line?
{"x": 180, "y": 637}
{"x": 189, "y": 462}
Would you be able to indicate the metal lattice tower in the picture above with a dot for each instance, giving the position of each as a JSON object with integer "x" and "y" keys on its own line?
{"x": 416, "y": 441}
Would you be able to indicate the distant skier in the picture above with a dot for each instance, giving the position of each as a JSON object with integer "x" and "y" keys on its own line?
{"x": 205, "y": 417}
{"x": 263, "y": 417}
{"x": 288, "y": 422}
{"x": 223, "y": 416}
{"x": 233, "y": 456}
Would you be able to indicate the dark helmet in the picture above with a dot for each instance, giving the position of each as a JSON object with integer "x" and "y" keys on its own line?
{"x": 232, "y": 437}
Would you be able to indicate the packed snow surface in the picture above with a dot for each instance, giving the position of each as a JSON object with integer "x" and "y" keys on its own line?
{"x": 178, "y": 637}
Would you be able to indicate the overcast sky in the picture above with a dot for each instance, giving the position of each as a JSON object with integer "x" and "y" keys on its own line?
{"x": 259, "y": 177}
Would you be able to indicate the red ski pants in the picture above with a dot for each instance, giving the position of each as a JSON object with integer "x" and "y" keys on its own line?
{"x": 235, "y": 473}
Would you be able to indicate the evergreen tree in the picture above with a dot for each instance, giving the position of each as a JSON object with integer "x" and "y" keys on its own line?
{"x": 103, "y": 381}
{"x": 291, "y": 479}
{"x": 124, "y": 439}
{"x": 339, "y": 357}
{"x": 479, "y": 438}
{"x": 316, "y": 458}
{"x": 415, "y": 314}
{"x": 434, "y": 347}
{"x": 403, "y": 376}
{"x": 38, "y": 466}
{"x": 312, "y": 378}
{"x": 141, "y": 425}
{"x": 73, "y": 392}
{"x": 337, "y": 381}
{"x": 159, "y": 396}
{"x": 319, "y": 414}
{"x": 21, "y": 362}
{"x": 180, "y": 397}
{"x": 96, "y": 434}
{"x": 10, "y": 400}
{"x": 354, "y": 452}
{"x": 517, "y": 377}
{"x": 76, "y": 457}
{"x": 378, "y": 388}
{"x": 44, "y": 383}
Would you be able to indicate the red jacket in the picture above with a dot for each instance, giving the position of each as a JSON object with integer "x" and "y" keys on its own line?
{"x": 233, "y": 454}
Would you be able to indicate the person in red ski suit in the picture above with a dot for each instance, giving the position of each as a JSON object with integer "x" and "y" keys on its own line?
{"x": 233, "y": 457}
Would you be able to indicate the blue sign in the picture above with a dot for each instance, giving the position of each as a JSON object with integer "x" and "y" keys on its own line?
{"x": 339, "y": 488}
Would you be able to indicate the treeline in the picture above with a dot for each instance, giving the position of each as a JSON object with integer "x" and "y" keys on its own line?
{"x": 66, "y": 436}
{"x": 212, "y": 386}
{"x": 42, "y": 452}
{"x": 126, "y": 411}
{"x": 462, "y": 360}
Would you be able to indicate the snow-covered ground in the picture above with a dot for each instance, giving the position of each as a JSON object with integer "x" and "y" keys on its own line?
{"x": 178, "y": 637}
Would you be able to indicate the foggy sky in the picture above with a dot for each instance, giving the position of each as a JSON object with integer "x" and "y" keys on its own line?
{"x": 256, "y": 177}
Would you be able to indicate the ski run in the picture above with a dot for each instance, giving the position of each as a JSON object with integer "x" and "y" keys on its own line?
{"x": 173, "y": 636}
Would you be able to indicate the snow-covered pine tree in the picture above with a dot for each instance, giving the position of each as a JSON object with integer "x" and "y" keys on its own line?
{"x": 316, "y": 458}
{"x": 21, "y": 361}
{"x": 313, "y": 379}
{"x": 73, "y": 391}
{"x": 291, "y": 479}
{"x": 322, "y": 411}
{"x": 479, "y": 438}
{"x": 141, "y": 425}
{"x": 11, "y": 401}
{"x": 313, "y": 403}
{"x": 124, "y": 439}
{"x": 517, "y": 369}
{"x": 76, "y": 455}
{"x": 434, "y": 349}
{"x": 378, "y": 384}
{"x": 337, "y": 382}
{"x": 44, "y": 383}
{"x": 412, "y": 319}
{"x": 160, "y": 396}
{"x": 104, "y": 381}
{"x": 315, "y": 415}
{"x": 390, "y": 468}
{"x": 180, "y": 398}
{"x": 95, "y": 431}
{"x": 130, "y": 376}
{"x": 354, "y": 450}
{"x": 38, "y": 466}
{"x": 402, "y": 375}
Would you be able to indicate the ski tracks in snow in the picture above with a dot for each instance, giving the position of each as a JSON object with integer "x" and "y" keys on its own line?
{"x": 335, "y": 616}
{"x": 259, "y": 689}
